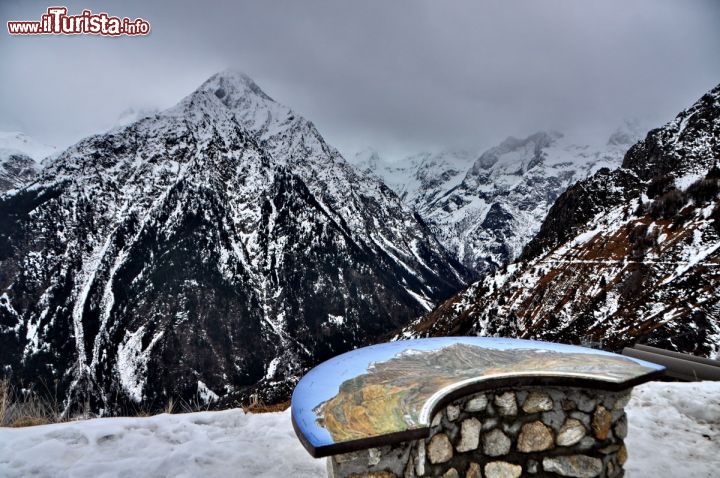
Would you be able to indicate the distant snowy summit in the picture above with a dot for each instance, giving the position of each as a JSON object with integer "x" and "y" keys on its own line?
{"x": 485, "y": 208}
{"x": 20, "y": 158}
{"x": 418, "y": 179}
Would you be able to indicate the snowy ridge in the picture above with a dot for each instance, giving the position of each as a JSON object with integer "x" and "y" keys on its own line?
{"x": 294, "y": 142}
{"x": 686, "y": 146}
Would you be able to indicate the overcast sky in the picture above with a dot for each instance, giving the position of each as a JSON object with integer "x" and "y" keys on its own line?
{"x": 397, "y": 75}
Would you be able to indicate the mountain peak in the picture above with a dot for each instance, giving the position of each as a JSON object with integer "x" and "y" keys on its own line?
{"x": 513, "y": 149}
{"x": 685, "y": 146}
{"x": 231, "y": 85}
{"x": 252, "y": 107}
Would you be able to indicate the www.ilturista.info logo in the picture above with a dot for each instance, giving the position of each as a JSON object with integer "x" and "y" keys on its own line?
{"x": 57, "y": 22}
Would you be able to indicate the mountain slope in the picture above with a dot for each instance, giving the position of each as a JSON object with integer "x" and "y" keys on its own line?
{"x": 624, "y": 256}
{"x": 185, "y": 255}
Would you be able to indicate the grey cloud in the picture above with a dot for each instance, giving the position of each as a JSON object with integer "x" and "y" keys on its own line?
{"x": 401, "y": 75}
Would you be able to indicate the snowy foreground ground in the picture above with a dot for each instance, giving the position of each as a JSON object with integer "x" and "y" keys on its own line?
{"x": 674, "y": 431}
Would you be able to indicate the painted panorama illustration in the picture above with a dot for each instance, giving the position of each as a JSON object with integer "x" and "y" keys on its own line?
{"x": 393, "y": 387}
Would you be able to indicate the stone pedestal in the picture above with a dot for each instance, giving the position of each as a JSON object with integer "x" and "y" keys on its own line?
{"x": 511, "y": 432}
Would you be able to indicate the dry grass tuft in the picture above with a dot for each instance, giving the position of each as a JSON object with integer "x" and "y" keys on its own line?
{"x": 171, "y": 405}
{"x": 262, "y": 408}
{"x": 4, "y": 400}
{"x": 30, "y": 422}
{"x": 25, "y": 407}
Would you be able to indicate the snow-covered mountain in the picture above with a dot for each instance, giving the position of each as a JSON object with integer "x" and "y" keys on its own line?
{"x": 20, "y": 158}
{"x": 419, "y": 179}
{"x": 485, "y": 209}
{"x": 626, "y": 255}
{"x": 213, "y": 249}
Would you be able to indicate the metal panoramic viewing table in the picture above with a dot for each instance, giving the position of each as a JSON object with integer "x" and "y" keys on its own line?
{"x": 388, "y": 393}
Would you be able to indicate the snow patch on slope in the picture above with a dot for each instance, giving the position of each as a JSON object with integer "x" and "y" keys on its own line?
{"x": 132, "y": 362}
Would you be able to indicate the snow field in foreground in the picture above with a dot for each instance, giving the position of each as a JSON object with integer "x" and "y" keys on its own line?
{"x": 674, "y": 430}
